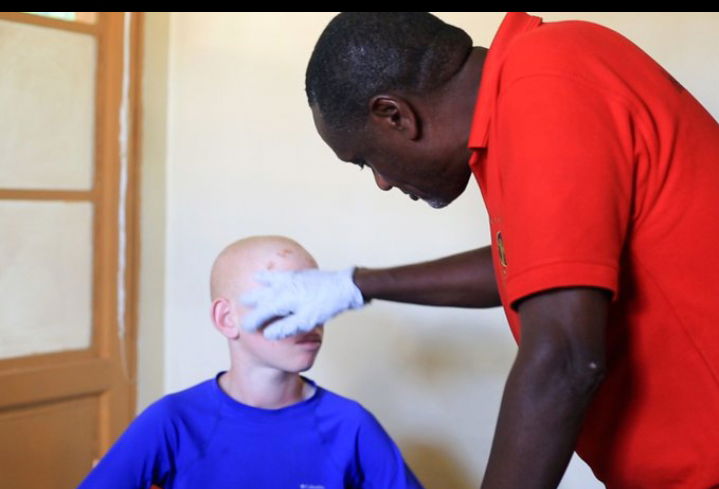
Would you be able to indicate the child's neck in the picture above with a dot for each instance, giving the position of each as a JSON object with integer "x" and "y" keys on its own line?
{"x": 264, "y": 388}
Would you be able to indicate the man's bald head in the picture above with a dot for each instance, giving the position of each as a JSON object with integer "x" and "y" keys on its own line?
{"x": 234, "y": 268}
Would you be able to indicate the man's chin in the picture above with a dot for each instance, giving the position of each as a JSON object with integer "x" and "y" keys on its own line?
{"x": 443, "y": 201}
{"x": 437, "y": 203}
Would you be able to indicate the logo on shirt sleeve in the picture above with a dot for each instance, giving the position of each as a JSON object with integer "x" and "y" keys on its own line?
{"x": 500, "y": 250}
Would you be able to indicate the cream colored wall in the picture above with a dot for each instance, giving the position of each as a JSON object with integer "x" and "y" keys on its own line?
{"x": 242, "y": 158}
{"x": 151, "y": 312}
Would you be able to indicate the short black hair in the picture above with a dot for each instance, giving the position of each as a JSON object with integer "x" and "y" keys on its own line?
{"x": 361, "y": 54}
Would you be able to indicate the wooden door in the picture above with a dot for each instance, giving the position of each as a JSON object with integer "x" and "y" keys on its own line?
{"x": 68, "y": 140}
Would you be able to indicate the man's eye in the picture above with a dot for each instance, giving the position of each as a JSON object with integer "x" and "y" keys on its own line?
{"x": 360, "y": 163}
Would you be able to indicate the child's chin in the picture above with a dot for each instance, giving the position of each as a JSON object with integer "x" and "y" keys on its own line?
{"x": 306, "y": 367}
{"x": 303, "y": 366}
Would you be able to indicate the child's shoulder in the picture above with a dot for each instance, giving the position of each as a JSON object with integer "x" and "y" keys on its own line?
{"x": 198, "y": 392}
{"x": 181, "y": 403}
{"x": 345, "y": 407}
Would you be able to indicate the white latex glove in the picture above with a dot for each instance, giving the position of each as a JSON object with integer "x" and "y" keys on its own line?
{"x": 302, "y": 298}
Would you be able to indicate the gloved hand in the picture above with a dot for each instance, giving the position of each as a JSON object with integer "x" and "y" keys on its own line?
{"x": 303, "y": 299}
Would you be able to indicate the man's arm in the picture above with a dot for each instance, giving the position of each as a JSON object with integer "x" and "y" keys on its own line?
{"x": 462, "y": 280}
{"x": 306, "y": 298}
{"x": 558, "y": 368}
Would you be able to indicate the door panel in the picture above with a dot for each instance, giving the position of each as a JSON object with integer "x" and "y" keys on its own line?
{"x": 48, "y": 252}
{"x": 57, "y": 434}
{"x": 48, "y": 88}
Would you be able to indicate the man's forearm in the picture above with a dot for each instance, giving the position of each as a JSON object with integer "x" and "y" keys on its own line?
{"x": 537, "y": 429}
{"x": 462, "y": 280}
{"x": 558, "y": 368}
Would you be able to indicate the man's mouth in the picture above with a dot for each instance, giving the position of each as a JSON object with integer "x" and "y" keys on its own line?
{"x": 409, "y": 194}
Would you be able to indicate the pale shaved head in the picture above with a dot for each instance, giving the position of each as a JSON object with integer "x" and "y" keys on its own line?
{"x": 255, "y": 359}
{"x": 234, "y": 268}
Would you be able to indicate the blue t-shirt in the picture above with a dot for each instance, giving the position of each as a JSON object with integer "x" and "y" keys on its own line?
{"x": 202, "y": 438}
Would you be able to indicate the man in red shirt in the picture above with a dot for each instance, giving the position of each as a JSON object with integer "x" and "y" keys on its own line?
{"x": 600, "y": 174}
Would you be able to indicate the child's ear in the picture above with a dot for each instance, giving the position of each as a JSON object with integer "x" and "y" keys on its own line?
{"x": 224, "y": 318}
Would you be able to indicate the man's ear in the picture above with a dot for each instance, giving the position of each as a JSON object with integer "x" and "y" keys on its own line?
{"x": 394, "y": 113}
{"x": 224, "y": 319}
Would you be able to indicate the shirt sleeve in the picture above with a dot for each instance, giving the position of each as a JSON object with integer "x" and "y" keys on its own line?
{"x": 141, "y": 457}
{"x": 380, "y": 461}
{"x": 566, "y": 169}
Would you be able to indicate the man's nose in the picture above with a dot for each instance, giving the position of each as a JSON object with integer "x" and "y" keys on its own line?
{"x": 381, "y": 182}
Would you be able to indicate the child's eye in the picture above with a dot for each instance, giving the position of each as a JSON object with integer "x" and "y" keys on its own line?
{"x": 360, "y": 162}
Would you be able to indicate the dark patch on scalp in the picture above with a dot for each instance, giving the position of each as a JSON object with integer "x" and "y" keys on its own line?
{"x": 285, "y": 252}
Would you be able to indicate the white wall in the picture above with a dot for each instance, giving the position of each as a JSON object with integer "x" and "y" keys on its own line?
{"x": 243, "y": 158}
{"x": 151, "y": 310}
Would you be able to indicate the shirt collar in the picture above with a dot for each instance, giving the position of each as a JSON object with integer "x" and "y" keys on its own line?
{"x": 514, "y": 24}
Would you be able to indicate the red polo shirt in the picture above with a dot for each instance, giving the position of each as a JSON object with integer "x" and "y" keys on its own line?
{"x": 599, "y": 169}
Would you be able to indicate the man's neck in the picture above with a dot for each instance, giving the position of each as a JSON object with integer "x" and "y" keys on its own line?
{"x": 460, "y": 92}
{"x": 264, "y": 387}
